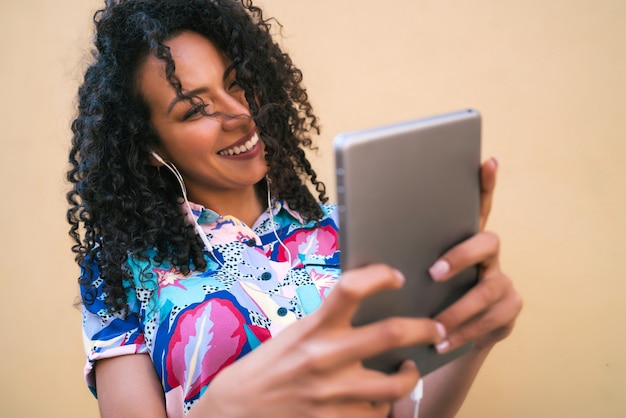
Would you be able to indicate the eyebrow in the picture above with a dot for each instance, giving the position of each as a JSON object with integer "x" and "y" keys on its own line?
{"x": 229, "y": 70}
{"x": 187, "y": 96}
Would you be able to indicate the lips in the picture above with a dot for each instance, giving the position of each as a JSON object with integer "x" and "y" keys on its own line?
{"x": 241, "y": 147}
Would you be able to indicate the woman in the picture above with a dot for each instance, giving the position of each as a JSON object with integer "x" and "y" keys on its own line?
{"x": 199, "y": 239}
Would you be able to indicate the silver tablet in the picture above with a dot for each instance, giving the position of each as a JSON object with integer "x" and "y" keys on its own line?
{"x": 408, "y": 192}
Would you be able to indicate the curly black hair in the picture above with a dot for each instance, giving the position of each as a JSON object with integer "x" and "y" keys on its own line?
{"x": 119, "y": 205}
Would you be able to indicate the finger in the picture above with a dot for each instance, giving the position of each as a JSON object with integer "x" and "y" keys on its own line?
{"x": 369, "y": 340}
{"x": 476, "y": 301}
{"x": 487, "y": 186}
{"x": 373, "y": 386}
{"x": 482, "y": 248}
{"x": 497, "y": 322}
{"x": 354, "y": 286}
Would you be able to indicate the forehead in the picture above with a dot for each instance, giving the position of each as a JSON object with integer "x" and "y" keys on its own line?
{"x": 198, "y": 64}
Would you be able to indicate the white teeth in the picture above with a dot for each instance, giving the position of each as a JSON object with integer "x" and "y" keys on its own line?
{"x": 242, "y": 148}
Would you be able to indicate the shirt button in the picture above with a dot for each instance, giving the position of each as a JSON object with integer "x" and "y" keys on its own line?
{"x": 266, "y": 276}
{"x": 282, "y": 311}
{"x": 251, "y": 242}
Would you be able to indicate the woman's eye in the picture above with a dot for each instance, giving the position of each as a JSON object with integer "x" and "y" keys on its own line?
{"x": 195, "y": 110}
{"x": 234, "y": 84}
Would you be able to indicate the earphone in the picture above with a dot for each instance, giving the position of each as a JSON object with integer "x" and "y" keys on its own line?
{"x": 199, "y": 230}
{"x": 269, "y": 210}
{"x": 158, "y": 157}
{"x": 183, "y": 189}
{"x": 205, "y": 239}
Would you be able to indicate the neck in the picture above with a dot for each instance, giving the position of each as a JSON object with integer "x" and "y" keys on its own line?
{"x": 244, "y": 204}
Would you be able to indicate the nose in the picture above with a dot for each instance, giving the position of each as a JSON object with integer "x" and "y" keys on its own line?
{"x": 234, "y": 111}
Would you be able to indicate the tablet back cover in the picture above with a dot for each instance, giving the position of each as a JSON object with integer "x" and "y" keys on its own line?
{"x": 407, "y": 193}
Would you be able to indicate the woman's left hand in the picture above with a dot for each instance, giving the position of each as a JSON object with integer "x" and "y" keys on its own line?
{"x": 487, "y": 312}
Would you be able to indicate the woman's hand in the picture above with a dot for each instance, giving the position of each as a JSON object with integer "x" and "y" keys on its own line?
{"x": 488, "y": 311}
{"x": 314, "y": 369}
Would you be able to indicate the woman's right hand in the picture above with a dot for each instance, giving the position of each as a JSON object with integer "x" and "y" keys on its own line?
{"x": 313, "y": 368}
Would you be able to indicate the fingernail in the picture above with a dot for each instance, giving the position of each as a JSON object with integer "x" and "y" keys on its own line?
{"x": 441, "y": 330}
{"x": 400, "y": 276}
{"x": 443, "y": 346}
{"x": 495, "y": 160}
{"x": 439, "y": 270}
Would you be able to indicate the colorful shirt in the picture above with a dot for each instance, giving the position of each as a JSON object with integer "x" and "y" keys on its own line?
{"x": 258, "y": 281}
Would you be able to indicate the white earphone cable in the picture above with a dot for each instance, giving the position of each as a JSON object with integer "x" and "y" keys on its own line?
{"x": 183, "y": 189}
{"x": 200, "y": 231}
{"x": 205, "y": 240}
{"x": 271, "y": 213}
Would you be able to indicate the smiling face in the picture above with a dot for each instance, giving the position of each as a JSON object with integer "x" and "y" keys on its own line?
{"x": 220, "y": 155}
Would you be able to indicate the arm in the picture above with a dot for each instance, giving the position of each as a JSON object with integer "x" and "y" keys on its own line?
{"x": 128, "y": 387}
{"x": 312, "y": 368}
{"x": 118, "y": 368}
{"x": 446, "y": 388}
{"x": 486, "y": 314}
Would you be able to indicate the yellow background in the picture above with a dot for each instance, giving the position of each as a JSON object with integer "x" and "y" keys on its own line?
{"x": 549, "y": 78}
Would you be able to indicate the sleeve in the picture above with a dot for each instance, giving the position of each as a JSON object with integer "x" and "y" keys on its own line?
{"x": 106, "y": 334}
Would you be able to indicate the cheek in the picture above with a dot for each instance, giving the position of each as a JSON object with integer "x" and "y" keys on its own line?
{"x": 192, "y": 136}
{"x": 241, "y": 98}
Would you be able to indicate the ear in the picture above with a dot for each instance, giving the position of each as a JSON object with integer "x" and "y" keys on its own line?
{"x": 155, "y": 159}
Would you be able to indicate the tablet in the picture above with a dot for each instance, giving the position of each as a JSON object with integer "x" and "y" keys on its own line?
{"x": 408, "y": 192}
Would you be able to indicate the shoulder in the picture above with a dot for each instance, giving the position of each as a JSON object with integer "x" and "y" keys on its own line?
{"x": 287, "y": 215}
{"x": 330, "y": 219}
{"x": 330, "y": 211}
{"x": 94, "y": 288}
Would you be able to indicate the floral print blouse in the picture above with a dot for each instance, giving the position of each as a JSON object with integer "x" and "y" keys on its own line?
{"x": 193, "y": 326}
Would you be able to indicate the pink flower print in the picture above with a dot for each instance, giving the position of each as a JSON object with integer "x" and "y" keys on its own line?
{"x": 324, "y": 282}
{"x": 208, "y": 337}
{"x": 321, "y": 241}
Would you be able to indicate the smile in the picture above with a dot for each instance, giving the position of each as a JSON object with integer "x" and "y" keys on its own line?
{"x": 239, "y": 149}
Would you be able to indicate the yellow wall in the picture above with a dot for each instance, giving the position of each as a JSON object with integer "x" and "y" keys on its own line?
{"x": 550, "y": 80}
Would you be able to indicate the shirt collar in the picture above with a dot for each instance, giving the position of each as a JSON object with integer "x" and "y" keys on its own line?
{"x": 206, "y": 216}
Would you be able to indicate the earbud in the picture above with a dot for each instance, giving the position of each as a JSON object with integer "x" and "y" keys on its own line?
{"x": 157, "y": 157}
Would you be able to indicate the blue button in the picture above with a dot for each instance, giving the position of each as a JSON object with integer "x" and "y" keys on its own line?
{"x": 266, "y": 276}
{"x": 282, "y": 311}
